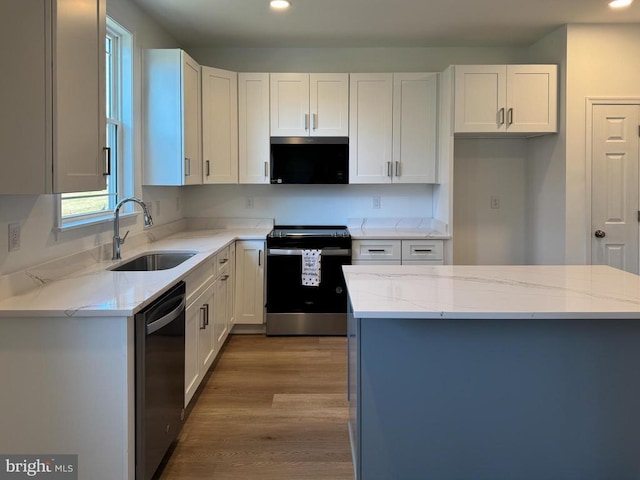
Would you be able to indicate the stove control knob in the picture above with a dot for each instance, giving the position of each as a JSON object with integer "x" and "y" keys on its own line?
{"x": 338, "y": 290}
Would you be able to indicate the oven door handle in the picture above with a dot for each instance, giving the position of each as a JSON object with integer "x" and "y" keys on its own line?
{"x": 325, "y": 252}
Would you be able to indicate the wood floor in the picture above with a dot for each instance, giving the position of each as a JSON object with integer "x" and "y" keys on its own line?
{"x": 274, "y": 408}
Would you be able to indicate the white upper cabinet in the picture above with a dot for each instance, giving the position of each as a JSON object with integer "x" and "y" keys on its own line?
{"x": 219, "y": 126}
{"x": 415, "y": 127}
{"x": 370, "y": 127}
{"x": 172, "y": 141}
{"x": 506, "y": 98}
{"x": 393, "y": 128}
{"x": 52, "y": 130}
{"x": 253, "y": 127}
{"x": 309, "y": 105}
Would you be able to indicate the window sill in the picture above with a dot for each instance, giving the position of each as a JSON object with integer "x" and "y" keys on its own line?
{"x": 86, "y": 223}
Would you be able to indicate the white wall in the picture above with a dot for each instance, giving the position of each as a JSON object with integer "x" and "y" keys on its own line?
{"x": 484, "y": 168}
{"x": 417, "y": 59}
{"x": 36, "y": 214}
{"x": 308, "y": 204}
{"x": 546, "y": 166}
{"x": 603, "y": 61}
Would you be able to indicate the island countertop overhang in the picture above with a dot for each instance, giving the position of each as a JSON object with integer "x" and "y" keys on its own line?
{"x": 497, "y": 292}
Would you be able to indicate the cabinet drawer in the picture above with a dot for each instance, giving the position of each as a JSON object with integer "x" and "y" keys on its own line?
{"x": 421, "y": 250}
{"x": 376, "y": 250}
{"x": 199, "y": 278}
{"x": 222, "y": 262}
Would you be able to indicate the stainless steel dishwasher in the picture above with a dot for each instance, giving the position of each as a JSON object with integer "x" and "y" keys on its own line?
{"x": 159, "y": 334}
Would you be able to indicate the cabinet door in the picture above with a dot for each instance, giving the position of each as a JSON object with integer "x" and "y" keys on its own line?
{"x": 231, "y": 287}
{"x": 480, "y": 98}
{"x": 250, "y": 282}
{"x": 415, "y": 127}
{"x": 192, "y": 121}
{"x": 206, "y": 332}
{"x": 220, "y": 322}
{"x": 194, "y": 317}
{"x": 532, "y": 98}
{"x": 219, "y": 126}
{"x": 79, "y": 95}
{"x": 329, "y": 104}
{"x": 289, "y": 104}
{"x": 370, "y": 127}
{"x": 253, "y": 127}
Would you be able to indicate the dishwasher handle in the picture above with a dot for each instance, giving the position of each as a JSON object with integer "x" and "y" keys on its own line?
{"x": 169, "y": 317}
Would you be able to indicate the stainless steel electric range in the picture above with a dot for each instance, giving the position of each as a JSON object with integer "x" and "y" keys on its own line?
{"x": 306, "y": 292}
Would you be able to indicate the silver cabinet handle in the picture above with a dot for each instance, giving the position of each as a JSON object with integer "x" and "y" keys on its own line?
{"x": 208, "y": 170}
{"x": 259, "y": 258}
{"x": 501, "y": 116}
{"x": 418, "y": 250}
{"x": 187, "y": 167}
{"x": 225, "y": 278}
{"x": 376, "y": 250}
{"x": 107, "y": 151}
{"x": 203, "y": 325}
{"x": 388, "y": 169}
{"x": 510, "y": 116}
{"x": 266, "y": 169}
{"x": 223, "y": 261}
{"x": 306, "y": 122}
{"x": 206, "y": 313}
{"x": 397, "y": 169}
{"x": 314, "y": 119}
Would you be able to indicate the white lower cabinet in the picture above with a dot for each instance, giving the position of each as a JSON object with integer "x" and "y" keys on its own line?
{"x": 249, "y": 303}
{"x": 398, "y": 252}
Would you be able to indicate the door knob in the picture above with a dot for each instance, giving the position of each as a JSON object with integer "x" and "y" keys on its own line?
{"x": 600, "y": 234}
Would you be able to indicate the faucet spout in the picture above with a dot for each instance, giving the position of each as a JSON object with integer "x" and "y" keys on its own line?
{"x": 117, "y": 240}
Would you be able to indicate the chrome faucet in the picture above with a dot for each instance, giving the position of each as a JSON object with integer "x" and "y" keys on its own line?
{"x": 117, "y": 241}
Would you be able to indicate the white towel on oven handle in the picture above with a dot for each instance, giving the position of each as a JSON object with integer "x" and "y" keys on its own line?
{"x": 311, "y": 267}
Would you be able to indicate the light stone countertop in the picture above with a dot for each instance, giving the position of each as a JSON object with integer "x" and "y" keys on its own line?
{"x": 91, "y": 290}
{"x": 397, "y": 228}
{"x": 485, "y": 292}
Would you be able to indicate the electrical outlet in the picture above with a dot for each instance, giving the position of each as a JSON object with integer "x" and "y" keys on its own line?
{"x": 14, "y": 237}
{"x": 376, "y": 202}
{"x": 495, "y": 202}
{"x": 249, "y": 202}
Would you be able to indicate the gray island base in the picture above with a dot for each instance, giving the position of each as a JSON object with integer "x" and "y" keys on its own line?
{"x": 457, "y": 396}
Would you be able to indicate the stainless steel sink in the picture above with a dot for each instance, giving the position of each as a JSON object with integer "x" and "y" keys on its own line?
{"x": 149, "y": 262}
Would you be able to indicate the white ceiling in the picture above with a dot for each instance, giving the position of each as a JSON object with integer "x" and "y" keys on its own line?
{"x": 392, "y": 23}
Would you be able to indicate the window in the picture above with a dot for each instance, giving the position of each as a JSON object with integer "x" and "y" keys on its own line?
{"x": 81, "y": 208}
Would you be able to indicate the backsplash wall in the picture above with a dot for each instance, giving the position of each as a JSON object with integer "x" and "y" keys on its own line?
{"x": 308, "y": 204}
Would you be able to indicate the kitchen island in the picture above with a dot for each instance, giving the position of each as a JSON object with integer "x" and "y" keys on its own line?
{"x": 494, "y": 372}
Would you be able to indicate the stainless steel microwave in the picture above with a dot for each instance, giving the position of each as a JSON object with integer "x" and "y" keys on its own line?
{"x": 319, "y": 160}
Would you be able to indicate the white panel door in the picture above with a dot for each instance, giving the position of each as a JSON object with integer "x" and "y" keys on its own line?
{"x": 480, "y": 98}
{"x": 614, "y": 194}
{"x": 253, "y": 127}
{"x": 219, "y": 126}
{"x": 192, "y": 118}
{"x": 289, "y": 104}
{"x": 415, "y": 127}
{"x": 329, "y": 104}
{"x": 532, "y": 98}
{"x": 370, "y": 127}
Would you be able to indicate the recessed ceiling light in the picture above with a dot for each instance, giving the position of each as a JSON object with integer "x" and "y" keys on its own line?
{"x": 284, "y": 4}
{"x": 620, "y": 3}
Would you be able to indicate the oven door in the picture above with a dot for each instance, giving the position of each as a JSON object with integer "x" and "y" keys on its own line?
{"x": 293, "y": 308}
